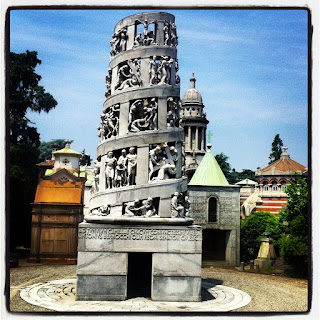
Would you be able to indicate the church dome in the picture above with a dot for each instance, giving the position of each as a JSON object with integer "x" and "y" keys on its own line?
{"x": 192, "y": 96}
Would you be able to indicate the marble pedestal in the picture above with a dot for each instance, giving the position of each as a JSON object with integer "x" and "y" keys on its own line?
{"x": 174, "y": 252}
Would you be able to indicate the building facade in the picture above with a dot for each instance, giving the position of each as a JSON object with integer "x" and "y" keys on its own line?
{"x": 58, "y": 209}
{"x": 270, "y": 193}
{"x": 215, "y": 207}
{"x": 194, "y": 123}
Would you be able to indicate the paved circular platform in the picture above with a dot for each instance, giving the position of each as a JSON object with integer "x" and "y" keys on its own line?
{"x": 59, "y": 295}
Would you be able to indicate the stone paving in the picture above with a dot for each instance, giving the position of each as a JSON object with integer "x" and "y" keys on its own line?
{"x": 59, "y": 295}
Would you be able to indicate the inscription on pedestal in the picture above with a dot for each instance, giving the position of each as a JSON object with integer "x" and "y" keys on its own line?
{"x": 140, "y": 234}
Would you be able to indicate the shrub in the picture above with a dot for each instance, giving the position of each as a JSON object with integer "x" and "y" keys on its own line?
{"x": 252, "y": 229}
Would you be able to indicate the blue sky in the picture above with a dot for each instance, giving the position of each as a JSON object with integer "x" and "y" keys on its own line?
{"x": 251, "y": 68}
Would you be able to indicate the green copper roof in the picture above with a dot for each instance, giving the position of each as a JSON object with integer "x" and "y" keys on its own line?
{"x": 208, "y": 173}
{"x": 67, "y": 151}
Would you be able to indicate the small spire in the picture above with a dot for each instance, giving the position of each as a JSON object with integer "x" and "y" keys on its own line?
{"x": 209, "y": 134}
{"x": 284, "y": 154}
{"x": 192, "y": 81}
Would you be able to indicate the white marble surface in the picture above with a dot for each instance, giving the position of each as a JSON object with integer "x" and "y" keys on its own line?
{"x": 59, "y": 295}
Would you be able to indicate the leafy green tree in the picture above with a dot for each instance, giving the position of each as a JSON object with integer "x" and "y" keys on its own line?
{"x": 45, "y": 148}
{"x": 276, "y": 150}
{"x": 294, "y": 223}
{"x": 252, "y": 229}
{"x": 25, "y": 94}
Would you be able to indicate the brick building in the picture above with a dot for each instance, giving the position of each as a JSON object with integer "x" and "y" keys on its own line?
{"x": 272, "y": 180}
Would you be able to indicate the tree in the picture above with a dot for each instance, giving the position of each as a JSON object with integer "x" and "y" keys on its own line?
{"x": 276, "y": 149}
{"x": 45, "y": 148}
{"x": 252, "y": 229}
{"x": 85, "y": 159}
{"x": 25, "y": 94}
{"x": 294, "y": 223}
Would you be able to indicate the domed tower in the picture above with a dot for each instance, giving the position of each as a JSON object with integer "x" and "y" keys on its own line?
{"x": 194, "y": 122}
{"x": 139, "y": 227}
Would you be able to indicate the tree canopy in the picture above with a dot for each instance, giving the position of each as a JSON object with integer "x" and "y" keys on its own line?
{"x": 276, "y": 149}
{"x": 294, "y": 223}
{"x": 25, "y": 95}
{"x": 231, "y": 174}
{"x": 45, "y": 148}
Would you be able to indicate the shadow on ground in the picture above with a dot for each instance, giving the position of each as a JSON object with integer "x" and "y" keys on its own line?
{"x": 205, "y": 294}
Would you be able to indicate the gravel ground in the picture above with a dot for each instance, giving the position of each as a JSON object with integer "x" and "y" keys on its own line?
{"x": 268, "y": 293}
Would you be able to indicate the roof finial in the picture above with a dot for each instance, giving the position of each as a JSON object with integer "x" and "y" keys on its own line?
{"x": 67, "y": 143}
{"x": 192, "y": 81}
{"x": 209, "y": 134}
{"x": 284, "y": 148}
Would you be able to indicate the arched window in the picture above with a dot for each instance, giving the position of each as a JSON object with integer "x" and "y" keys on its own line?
{"x": 274, "y": 186}
{"x": 265, "y": 186}
{"x": 283, "y": 186}
{"x": 212, "y": 209}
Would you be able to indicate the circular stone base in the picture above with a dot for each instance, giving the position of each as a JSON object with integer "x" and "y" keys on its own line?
{"x": 59, "y": 295}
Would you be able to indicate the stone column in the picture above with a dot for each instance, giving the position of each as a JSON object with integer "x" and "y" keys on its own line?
{"x": 102, "y": 176}
{"x": 179, "y": 162}
{"x": 145, "y": 71}
{"x": 202, "y": 139}
{"x": 160, "y": 33}
{"x": 142, "y": 164}
{"x": 189, "y": 138}
{"x": 131, "y": 34}
{"x": 197, "y": 139}
{"x": 162, "y": 113}
{"x": 114, "y": 79}
{"x": 124, "y": 118}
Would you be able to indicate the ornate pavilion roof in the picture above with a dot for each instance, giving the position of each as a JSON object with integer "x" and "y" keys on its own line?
{"x": 283, "y": 166}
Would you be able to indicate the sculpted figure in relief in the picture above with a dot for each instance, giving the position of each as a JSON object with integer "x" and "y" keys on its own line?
{"x": 132, "y": 166}
{"x": 149, "y": 208}
{"x": 154, "y": 161}
{"x": 108, "y": 83}
{"x": 166, "y": 34}
{"x": 153, "y": 71}
{"x": 177, "y": 209}
{"x": 121, "y": 170}
{"x": 132, "y": 209}
{"x": 129, "y": 75}
{"x": 172, "y": 113}
{"x": 118, "y": 42}
{"x": 109, "y": 122}
{"x": 110, "y": 165}
{"x": 96, "y": 173}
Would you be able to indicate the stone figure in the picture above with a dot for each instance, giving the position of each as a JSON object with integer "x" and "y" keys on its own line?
{"x": 177, "y": 209}
{"x": 187, "y": 205}
{"x": 145, "y": 29}
{"x": 121, "y": 169}
{"x": 183, "y": 159}
{"x": 138, "y": 40}
{"x": 164, "y": 70}
{"x": 132, "y": 166}
{"x": 176, "y": 65}
{"x": 174, "y": 154}
{"x": 173, "y": 35}
{"x": 132, "y": 208}
{"x": 154, "y": 161}
{"x": 149, "y": 208}
{"x": 166, "y": 33}
{"x": 96, "y": 175}
{"x": 110, "y": 165}
{"x": 143, "y": 115}
{"x": 101, "y": 133}
{"x": 151, "y": 114}
{"x": 153, "y": 71}
{"x": 166, "y": 170}
{"x": 101, "y": 211}
{"x": 118, "y": 42}
{"x": 172, "y": 113}
{"x": 108, "y": 83}
{"x": 129, "y": 75}
{"x": 109, "y": 122}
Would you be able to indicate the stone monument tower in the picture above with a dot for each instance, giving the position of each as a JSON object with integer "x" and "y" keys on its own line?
{"x": 138, "y": 238}
{"x": 194, "y": 123}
